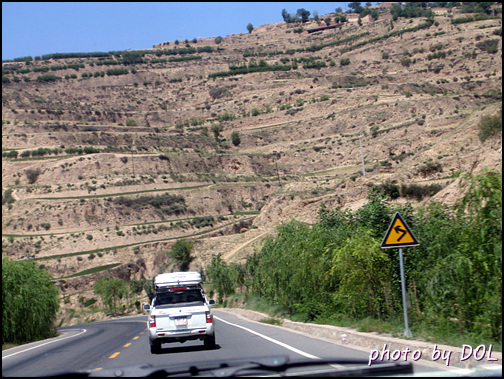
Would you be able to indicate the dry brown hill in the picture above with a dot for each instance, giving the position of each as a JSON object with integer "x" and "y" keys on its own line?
{"x": 165, "y": 132}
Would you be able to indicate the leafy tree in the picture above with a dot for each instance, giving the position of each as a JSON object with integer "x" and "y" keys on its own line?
{"x": 30, "y": 302}
{"x": 361, "y": 270}
{"x": 460, "y": 270}
{"x": 476, "y": 7}
{"x": 235, "y": 138}
{"x": 290, "y": 270}
{"x": 32, "y": 175}
{"x": 132, "y": 57}
{"x": 250, "y": 27}
{"x": 286, "y": 16}
{"x": 181, "y": 252}
{"x": 218, "y": 40}
{"x": 304, "y": 14}
{"x": 375, "y": 215}
{"x": 221, "y": 276}
{"x": 112, "y": 291}
{"x": 356, "y": 7}
{"x": 483, "y": 202}
{"x": 489, "y": 125}
{"x": 216, "y": 130}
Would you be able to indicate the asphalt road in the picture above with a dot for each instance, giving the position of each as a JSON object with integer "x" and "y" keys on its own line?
{"x": 124, "y": 342}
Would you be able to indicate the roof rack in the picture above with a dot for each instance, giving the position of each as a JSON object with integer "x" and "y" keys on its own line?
{"x": 177, "y": 279}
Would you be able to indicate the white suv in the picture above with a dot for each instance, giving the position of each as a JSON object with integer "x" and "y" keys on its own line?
{"x": 180, "y": 311}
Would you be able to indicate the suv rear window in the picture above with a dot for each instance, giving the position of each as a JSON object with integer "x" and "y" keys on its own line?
{"x": 177, "y": 298}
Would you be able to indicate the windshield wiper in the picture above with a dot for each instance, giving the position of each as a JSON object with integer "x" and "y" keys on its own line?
{"x": 321, "y": 367}
{"x": 275, "y": 365}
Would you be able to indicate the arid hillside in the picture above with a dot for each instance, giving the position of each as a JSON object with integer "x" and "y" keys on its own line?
{"x": 108, "y": 160}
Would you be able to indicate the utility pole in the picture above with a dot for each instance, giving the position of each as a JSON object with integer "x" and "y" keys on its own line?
{"x": 132, "y": 164}
{"x": 362, "y": 157}
{"x": 278, "y": 174}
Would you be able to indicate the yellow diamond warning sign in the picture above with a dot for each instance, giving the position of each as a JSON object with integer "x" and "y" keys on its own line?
{"x": 399, "y": 234}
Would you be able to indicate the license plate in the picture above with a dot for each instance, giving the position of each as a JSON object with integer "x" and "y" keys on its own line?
{"x": 180, "y": 321}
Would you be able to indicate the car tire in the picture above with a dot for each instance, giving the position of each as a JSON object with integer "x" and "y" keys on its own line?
{"x": 155, "y": 347}
{"x": 209, "y": 342}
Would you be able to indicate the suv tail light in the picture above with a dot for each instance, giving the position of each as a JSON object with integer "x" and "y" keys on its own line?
{"x": 208, "y": 317}
{"x": 152, "y": 322}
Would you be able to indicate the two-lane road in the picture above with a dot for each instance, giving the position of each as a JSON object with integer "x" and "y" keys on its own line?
{"x": 124, "y": 342}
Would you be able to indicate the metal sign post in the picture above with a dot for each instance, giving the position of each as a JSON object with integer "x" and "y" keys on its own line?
{"x": 407, "y": 331}
{"x": 399, "y": 235}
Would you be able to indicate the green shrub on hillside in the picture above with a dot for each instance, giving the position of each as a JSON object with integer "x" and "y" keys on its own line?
{"x": 488, "y": 126}
{"x": 47, "y": 78}
{"x": 235, "y": 138}
{"x": 344, "y": 61}
{"x": 166, "y": 203}
{"x": 117, "y": 71}
{"x": 491, "y": 46}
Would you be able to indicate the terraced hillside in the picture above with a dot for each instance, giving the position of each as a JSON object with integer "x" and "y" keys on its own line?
{"x": 107, "y": 160}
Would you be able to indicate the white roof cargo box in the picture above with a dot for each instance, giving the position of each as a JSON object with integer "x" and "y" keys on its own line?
{"x": 169, "y": 279}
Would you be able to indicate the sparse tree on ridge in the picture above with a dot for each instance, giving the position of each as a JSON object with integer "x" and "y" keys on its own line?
{"x": 304, "y": 14}
{"x": 356, "y": 7}
{"x": 250, "y": 27}
{"x": 286, "y": 16}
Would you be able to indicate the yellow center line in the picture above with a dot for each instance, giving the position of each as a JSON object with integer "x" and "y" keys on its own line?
{"x": 114, "y": 355}
{"x": 127, "y": 345}
{"x": 135, "y": 338}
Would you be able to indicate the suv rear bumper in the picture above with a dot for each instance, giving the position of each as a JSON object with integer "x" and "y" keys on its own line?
{"x": 166, "y": 336}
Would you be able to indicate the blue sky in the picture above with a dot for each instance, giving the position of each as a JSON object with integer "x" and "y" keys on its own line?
{"x": 34, "y": 29}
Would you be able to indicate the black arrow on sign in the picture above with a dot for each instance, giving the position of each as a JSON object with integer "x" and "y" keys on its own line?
{"x": 399, "y": 230}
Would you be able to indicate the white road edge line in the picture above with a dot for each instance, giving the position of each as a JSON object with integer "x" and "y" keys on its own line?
{"x": 45, "y": 343}
{"x": 307, "y": 355}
